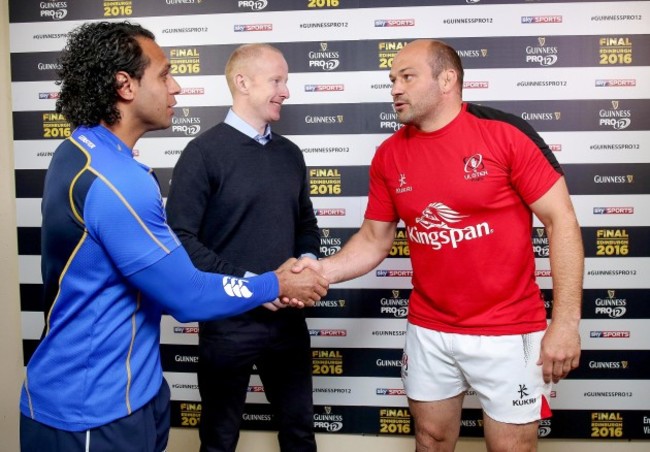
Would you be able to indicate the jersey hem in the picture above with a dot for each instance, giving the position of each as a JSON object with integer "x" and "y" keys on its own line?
{"x": 505, "y": 330}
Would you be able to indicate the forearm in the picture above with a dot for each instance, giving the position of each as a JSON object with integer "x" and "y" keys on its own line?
{"x": 363, "y": 252}
{"x": 191, "y": 295}
{"x": 307, "y": 231}
{"x": 307, "y": 237}
{"x": 567, "y": 268}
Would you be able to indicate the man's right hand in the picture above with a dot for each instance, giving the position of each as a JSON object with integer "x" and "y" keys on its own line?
{"x": 304, "y": 288}
{"x": 305, "y": 262}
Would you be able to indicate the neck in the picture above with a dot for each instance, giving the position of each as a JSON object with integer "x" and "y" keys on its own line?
{"x": 250, "y": 118}
{"x": 442, "y": 117}
{"x": 128, "y": 135}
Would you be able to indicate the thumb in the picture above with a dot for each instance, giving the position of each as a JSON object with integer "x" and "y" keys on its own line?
{"x": 299, "y": 266}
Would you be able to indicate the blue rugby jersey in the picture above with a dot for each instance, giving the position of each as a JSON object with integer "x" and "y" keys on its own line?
{"x": 111, "y": 266}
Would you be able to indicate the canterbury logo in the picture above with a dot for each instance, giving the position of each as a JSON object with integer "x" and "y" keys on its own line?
{"x": 235, "y": 287}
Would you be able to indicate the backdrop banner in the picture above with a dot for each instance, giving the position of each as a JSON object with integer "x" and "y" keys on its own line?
{"x": 578, "y": 71}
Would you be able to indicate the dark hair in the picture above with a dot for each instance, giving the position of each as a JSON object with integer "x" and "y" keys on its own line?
{"x": 94, "y": 53}
{"x": 441, "y": 57}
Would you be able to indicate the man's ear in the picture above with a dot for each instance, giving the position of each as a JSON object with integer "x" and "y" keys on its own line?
{"x": 241, "y": 83}
{"x": 447, "y": 80}
{"x": 125, "y": 85}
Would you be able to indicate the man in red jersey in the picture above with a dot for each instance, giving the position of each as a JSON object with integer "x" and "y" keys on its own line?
{"x": 466, "y": 179}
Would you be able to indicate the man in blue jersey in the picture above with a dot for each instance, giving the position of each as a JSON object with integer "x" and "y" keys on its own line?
{"x": 110, "y": 264}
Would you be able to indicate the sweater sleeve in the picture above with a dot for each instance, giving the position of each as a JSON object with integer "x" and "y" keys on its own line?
{"x": 187, "y": 202}
{"x": 307, "y": 232}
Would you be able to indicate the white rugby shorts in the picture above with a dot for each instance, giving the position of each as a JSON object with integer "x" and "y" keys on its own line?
{"x": 502, "y": 370}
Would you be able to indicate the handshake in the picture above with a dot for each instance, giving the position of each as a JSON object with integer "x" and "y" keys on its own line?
{"x": 300, "y": 284}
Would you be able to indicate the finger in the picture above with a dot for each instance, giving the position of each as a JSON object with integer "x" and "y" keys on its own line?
{"x": 547, "y": 371}
{"x": 304, "y": 263}
{"x": 575, "y": 362}
{"x": 558, "y": 371}
{"x": 299, "y": 266}
{"x": 322, "y": 291}
{"x": 309, "y": 303}
{"x": 567, "y": 366}
{"x": 278, "y": 303}
{"x": 270, "y": 306}
{"x": 295, "y": 303}
{"x": 323, "y": 284}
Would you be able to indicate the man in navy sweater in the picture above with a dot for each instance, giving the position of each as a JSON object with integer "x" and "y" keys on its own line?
{"x": 239, "y": 202}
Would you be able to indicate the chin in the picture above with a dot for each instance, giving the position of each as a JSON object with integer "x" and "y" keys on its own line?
{"x": 161, "y": 126}
{"x": 404, "y": 119}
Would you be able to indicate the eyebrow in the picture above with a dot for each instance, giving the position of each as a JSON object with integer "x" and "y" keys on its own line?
{"x": 401, "y": 71}
{"x": 405, "y": 69}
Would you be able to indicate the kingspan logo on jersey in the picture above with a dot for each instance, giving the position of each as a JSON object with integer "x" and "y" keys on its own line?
{"x": 236, "y": 287}
{"x": 435, "y": 218}
{"x": 54, "y": 10}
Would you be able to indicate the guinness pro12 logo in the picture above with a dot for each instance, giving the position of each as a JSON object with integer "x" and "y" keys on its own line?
{"x": 324, "y": 58}
{"x": 186, "y": 125}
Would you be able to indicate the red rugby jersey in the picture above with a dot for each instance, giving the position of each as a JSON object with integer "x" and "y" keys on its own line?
{"x": 463, "y": 192}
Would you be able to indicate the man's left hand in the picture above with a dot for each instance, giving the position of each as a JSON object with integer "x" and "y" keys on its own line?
{"x": 560, "y": 351}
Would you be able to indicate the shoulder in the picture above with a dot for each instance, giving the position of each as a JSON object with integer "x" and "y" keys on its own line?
{"x": 69, "y": 157}
{"x": 511, "y": 128}
{"x": 220, "y": 137}
{"x": 287, "y": 146}
{"x": 393, "y": 142}
{"x": 498, "y": 118}
{"x": 485, "y": 112}
{"x": 219, "y": 131}
{"x": 130, "y": 178}
{"x": 284, "y": 141}
{"x": 127, "y": 191}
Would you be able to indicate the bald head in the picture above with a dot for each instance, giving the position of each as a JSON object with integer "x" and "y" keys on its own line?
{"x": 439, "y": 56}
{"x": 426, "y": 78}
{"x": 257, "y": 76}
{"x": 244, "y": 59}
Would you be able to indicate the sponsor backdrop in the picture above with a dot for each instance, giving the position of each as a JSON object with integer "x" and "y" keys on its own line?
{"x": 579, "y": 72}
